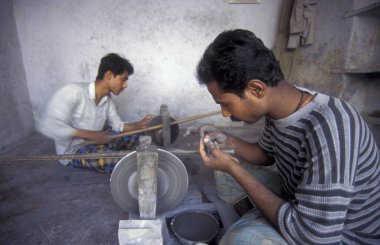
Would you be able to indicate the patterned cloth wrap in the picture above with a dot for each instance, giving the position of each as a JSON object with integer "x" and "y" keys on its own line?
{"x": 105, "y": 165}
{"x": 252, "y": 227}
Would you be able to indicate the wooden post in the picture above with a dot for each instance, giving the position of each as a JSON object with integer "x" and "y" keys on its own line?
{"x": 166, "y": 134}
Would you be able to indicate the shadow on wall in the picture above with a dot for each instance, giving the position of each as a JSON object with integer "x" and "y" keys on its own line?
{"x": 16, "y": 120}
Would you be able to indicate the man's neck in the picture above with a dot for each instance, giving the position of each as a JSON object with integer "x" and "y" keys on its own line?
{"x": 101, "y": 90}
{"x": 285, "y": 100}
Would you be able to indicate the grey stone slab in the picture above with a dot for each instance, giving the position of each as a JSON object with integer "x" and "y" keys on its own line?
{"x": 140, "y": 232}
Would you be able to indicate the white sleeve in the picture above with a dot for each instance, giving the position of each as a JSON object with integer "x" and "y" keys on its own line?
{"x": 55, "y": 122}
{"x": 113, "y": 118}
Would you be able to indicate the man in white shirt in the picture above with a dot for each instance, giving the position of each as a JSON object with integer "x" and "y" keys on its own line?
{"x": 80, "y": 111}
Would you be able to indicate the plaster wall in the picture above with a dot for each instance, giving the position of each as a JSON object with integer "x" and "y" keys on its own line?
{"x": 340, "y": 44}
{"x": 16, "y": 120}
{"x": 62, "y": 42}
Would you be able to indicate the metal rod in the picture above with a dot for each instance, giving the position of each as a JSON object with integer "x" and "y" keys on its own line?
{"x": 97, "y": 155}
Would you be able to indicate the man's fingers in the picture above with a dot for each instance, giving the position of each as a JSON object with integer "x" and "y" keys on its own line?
{"x": 202, "y": 150}
{"x": 212, "y": 146}
{"x": 217, "y": 136}
{"x": 208, "y": 142}
{"x": 143, "y": 123}
{"x": 206, "y": 130}
{"x": 148, "y": 117}
{"x": 216, "y": 152}
{"x": 214, "y": 133}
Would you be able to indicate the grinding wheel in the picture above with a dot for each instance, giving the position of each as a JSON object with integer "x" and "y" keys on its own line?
{"x": 172, "y": 182}
{"x": 157, "y": 135}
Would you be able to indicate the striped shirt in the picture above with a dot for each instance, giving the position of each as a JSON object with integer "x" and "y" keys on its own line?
{"x": 328, "y": 164}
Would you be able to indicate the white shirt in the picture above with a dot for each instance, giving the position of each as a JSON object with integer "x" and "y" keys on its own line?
{"x": 73, "y": 107}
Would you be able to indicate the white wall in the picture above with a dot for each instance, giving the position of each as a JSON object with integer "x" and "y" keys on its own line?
{"x": 62, "y": 41}
{"x": 16, "y": 119}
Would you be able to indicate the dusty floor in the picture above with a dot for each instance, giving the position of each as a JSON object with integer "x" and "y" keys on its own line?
{"x": 43, "y": 202}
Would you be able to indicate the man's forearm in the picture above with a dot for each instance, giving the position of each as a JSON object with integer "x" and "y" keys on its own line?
{"x": 264, "y": 199}
{"x": 97, "y": 136}
{"x": 129, "y": 127}
{"x": 83, "y": 134}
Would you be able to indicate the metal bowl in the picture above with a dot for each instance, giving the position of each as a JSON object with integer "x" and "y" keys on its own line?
{"x": 195, "y": 227}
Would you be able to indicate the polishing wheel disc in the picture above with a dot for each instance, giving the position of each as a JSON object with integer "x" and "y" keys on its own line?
{"x": 172, "y": 182}
{"x": 157, "y": 135}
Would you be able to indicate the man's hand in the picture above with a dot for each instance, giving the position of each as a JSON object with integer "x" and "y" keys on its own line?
{"x": 213, "y": 133}
{"x": 143, "y": 123}
{"x": 215, "y": 159}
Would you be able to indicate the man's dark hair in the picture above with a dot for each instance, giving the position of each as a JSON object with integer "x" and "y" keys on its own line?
{"x": 114, "y": 63}
{"x": 236, "y": 57}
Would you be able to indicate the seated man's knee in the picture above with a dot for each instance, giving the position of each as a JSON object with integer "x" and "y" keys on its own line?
{"x": 247, "y": 231}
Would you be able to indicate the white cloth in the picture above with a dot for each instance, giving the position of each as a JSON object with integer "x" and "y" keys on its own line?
{"x": 73, "y": 107}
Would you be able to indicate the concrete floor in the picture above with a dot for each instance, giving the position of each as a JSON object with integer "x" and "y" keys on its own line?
{"x": 43, "y": 202}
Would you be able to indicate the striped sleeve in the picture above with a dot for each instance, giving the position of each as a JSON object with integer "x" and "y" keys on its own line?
{"x": 265, "y": 139}
{"x": 332, "y": 177}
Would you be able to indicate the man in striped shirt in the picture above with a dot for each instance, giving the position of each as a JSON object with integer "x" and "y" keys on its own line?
{"x": 326, "y": 158}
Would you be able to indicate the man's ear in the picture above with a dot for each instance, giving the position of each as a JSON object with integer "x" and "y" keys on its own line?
{"x": 256, "y": 88}
{"x": 108, "y": 75}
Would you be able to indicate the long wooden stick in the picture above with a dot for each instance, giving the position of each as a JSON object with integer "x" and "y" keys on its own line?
{"x": 199, "y": 116}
